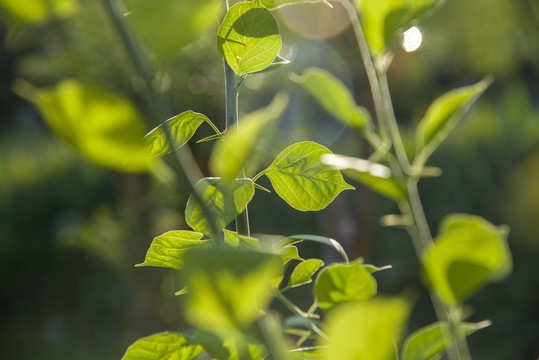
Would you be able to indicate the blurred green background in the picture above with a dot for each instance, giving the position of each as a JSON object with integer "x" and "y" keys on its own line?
{"x": 71, "y": 230}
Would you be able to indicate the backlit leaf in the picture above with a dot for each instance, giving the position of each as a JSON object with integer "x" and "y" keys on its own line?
{"x": 167, "y": 250}
{"x": 224, "y": 346}
{"x": 164, "y": 346}
{"x": 238, "y": 150}
{"x": 429, "y": 342}
{"x": 299, "y": 178}
{"x": 290, "y": 253}
{"x": 335, "y": 98}
{"x": 225, "y": 201}
{"x": 240, "y": 241}
{"x": 228, "y": 287}
{"x": 181, "y": 127}
{"x": 304, "y": 271}
{"x": 322, "y": 240}
{"x": 338, "y": 283}
{"x": 272, "y": 4}
{"x": 467, "y": 253}
{"x": 248, "y": 48}
{"x": 369, "y": 330}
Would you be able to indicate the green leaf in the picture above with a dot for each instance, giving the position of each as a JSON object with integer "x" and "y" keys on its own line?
{"x": 322, "y": 240}
{"x": 300, "y": 179}
{"x": 365, "y": 330}
{"x": 238, "y": 150}
{"x": 181, "y": 127}
{"x": 228, "y": 287}
{"x": 290, "y": 253}
{"x": 376, "y": 176}
{"x": 224, "y": 346}
{"x": 429, "y": 342}
{"x": 467, "y": 253}
{"x": 163, "y": 346}
{"x": 225, "y": 201}
{"x": 272, "y": 4}
{"x": 240, "y": 241}
{"x": 167, "y": 250}
{"x": 444, "y": 113}
{"x": 303, "y": 272}
{"x": 383, "y": 20}
{"x": 248, "y": 48}
{"x": 338, "y": 283}
{"x": 38, "y": 11}
{"x": 102, "y": 127}
{"x": 335, "y": 98}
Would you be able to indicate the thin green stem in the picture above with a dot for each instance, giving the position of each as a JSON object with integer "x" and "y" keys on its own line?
{"x": 290, "y": 305}
{"x": 188, "y": 168}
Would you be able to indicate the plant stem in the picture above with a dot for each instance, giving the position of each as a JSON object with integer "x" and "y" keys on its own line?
{"x": 156, "y": 107}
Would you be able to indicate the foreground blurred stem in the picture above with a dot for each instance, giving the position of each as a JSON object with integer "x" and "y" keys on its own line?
{"x": 412, "y": 206}
{"x": 156, "y": 107}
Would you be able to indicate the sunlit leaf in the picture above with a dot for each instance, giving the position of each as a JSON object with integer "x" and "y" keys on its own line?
{"x": 163, "y": 346}
{"x": 290, "y": 253}
{"x": 155, "y": 21}
{"x": 104, "y": 128}
{"x": 368, "y": 330}
{"x": 167, "y": 250}
{"x": 322, "y": 240}
{"x": 238, "y": 150}
{"x": 299, "y": 178}
{"x": 429, "y": 342}
{"x": 376, "y": 176}
{"x": 335, "y": 98}
{"x": 240, "y": 241}
{"x": 228, "y": 287}
{"x": 467, "y": 253}
{"x": 272, "y": 4}
{"x": 181, "y": 127}
{"x": 383, "y": 20}
{"x": 304, "y": 271}
{"x": 248, "y": 48}
{"x": 444, "y": 113}
{"x": 38, "y": 11}
{"x": 225, "y": 345}
{"x": 339, "y": 283}
{"x": 225, "y": 201}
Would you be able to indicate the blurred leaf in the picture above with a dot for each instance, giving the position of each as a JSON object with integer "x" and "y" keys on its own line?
{"x": 226, "y": 347}
{"x": 429, "y": 342}
{"x": 290, "y": 253}
{"x": 467, "y": 253}
{"x": 228, "y": 287}
{"x": 225, "y": 201}
{"x": 155, "y": 21}
{"x": 365, "y": 330}
{"x": 181, "y": 127}
{"x": 335, "y": 98}
{"x": 103, "y": 128}
{"x": 237, "y": 151}
{"x": 272, "y": 4}
{"x": 167, "y": 250}
{"x": 304, "y": 271}
{"x": 322, "y": 240}
{"x": 239, "y": 241}
{"x": 38, "y": 11}
{"x": 444, "y": 113}
{"x": 300, "y": 179}
{"x": 338, "y": 283}
{"x": 376, "y": 176}
{"x": 383, "y": 20}
{"x": 248, "y": 48}
{"x": 163, "y": 346}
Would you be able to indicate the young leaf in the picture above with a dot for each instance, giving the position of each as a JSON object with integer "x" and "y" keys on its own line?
{"x": 335, "y": 98}
{"x": 163, "y": 346}
{"x": 167, "y": 250}
{"x": 239, "y": 241}
{"x": 290, "y": 253}
{"x": 430, "y": 341}
{"x": 225, "y": 201}
{"x": 182, "y": 127}
{"x": 338, "y": 283}
{"x": 303, "y": 272}
{"x": 444, "y": 113}
{"x": 467, "y": 253}
{"x": 300, "y": 179}
{"x": 237, "y": 151}
{"x": 272, "y": 4}
{"x": 375, "y": 176}
{"x": 228, "y": 287}
{"x": 225, "y": 345}
{"x": 365, "y": 330}
{"x": 322, "y": 240}
{"x": 384, "y": 20}
{"x": 248, "y": 37}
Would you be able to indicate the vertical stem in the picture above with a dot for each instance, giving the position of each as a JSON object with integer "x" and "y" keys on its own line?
{"x": 188, "y": 168}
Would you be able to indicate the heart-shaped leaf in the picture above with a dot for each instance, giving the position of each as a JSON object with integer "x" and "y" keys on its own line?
{"x": 163, "y": 346}
{"x": 304, "y": 272}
